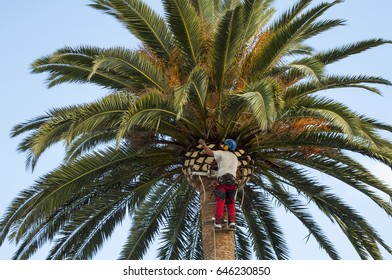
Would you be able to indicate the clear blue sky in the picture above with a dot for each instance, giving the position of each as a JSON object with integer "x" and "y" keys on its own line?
{"x": 31, "y": 29}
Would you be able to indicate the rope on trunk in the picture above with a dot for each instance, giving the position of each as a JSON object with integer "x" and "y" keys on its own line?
{"x": 213, "y": 229}
{"x": 204, "y": 190}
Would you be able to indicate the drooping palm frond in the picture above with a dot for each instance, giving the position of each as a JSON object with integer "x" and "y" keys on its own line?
{"x": 147, "y": 220}
{"x": 141, "y": 72}
{"x": 75, "y": 65}
{"x": 267, "y": 236}
{"x": 178, "y": 232}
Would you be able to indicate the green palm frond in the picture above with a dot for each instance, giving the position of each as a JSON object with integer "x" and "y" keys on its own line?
{"x": 268, "y": 241}
{"x": 87, "y": 231}
{"x": 152, "y": 112}
{"x": 357, "y": 230}
{"x": 304, "y": 67}
{"x": 103, "y": 115}
{"x": 60, "y": 185}
{"x": 193, "y": 93}
{"x": 177, "y": 230}
{"x": 331, "y": 82}
{"x": 87, "y": 142}
{"x": 336, "y": 114}
{"x": 29, "y": 125}
{"x": 321, "y": 26}
{"x": 331, "y": 56}
{"x": 290, "y": 15}
{"x": 147, "y": 220}
{"x": 139, "y": 70}
{"x": 211, "y": 69}
{"x": 243, "y": 244}
{"x": 90, "y": 227}
{"x": 348, "y": 171}
{"x": 260, "y": 98}
{"x": 296, "y": 206}
{"x": 287, "y": 36}
{"x": 44, "y": 134}
{"x": 184, "y": 23}
{"x": 256, "y": 14}
{"x": 149, "y": 27}
{"x": 205, "y": 10}
{"x": 75, "y": 65}
{"x": 227, "y": 40}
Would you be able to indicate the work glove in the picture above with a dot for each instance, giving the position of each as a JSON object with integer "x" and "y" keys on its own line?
{"x": 202, "y": 142}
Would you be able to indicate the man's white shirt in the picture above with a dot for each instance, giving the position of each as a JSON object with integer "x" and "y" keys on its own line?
{"x": 227, "y": 163}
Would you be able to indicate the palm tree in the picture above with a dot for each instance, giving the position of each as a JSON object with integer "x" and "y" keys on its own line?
{"x": 209, "y": 69}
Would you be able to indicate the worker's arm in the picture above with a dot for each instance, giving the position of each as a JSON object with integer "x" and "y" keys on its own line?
{"x": 206, "y": 149}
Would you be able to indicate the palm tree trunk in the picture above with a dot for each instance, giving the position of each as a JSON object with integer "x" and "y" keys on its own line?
{"x": 217, "y": 244}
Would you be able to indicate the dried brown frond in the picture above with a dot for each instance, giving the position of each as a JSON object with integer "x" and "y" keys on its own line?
{"x": 240, "y": 84}
{"x": 205, "y": 58}
{"x": 309, "y": 151}
{"x": 287, "y": 82}
{"x": 298, "y": 126}
{"x": 173, "y": 68}
{"x": 140, "y": 139}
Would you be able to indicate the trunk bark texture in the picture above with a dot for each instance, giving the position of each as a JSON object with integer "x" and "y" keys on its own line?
{"x": 217, "y": 244}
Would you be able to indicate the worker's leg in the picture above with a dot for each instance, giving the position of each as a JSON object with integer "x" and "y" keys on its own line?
{"x": 230, "y": 196}
{"x": 220, "y": 195}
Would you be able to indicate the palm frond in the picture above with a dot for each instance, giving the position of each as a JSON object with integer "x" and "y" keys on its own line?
{"x": 331, "y": 82}
{"x": 261, "y": 101}
{"x": 226, "y": 42}
{"x": 144, "y": 229}
{"x": 50, "y": 131}
{"x": 268, "y": 240}
{"x": 143, "y": 22}
{"x": 321, "y": 26}
{"x": 149, "y": 111}
{"x": 296, "y": 206}
{"x": 355, "y": 227}
{"x": 178, "y": 228}
{"x": 205, "y": 10}
{"x": 75, "y": 65}
{"x": 256, "y": 14}
{"x": 193, "y": 93}
{"x": 184, "y": 23}
{"x": 336, "y": 54}
{"x": 303, "y": 68}
{"x": 139, "y": 70}
{"x": 290, "y": 15}
{"x": 102, "y": 115}
{"x": 243, "y": 244}
{"x": 87, "y": 142}
{"x": 287, "y": 36}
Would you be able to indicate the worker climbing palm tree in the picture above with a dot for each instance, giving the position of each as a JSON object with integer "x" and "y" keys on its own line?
{"x": 225, "y": 189}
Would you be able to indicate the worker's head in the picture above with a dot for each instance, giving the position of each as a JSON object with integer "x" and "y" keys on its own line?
{"x": 229, "y": 144}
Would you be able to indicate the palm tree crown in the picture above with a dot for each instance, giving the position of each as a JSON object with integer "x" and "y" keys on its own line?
{"x": 211, "y": 69}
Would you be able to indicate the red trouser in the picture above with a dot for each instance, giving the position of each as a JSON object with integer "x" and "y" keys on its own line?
{"x": 224, "y": 194}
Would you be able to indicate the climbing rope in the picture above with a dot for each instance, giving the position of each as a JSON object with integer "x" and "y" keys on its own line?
{"x": 213, "y": 229}
{"x": 242, "y": 199}
{"x": 204, "y": 190}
